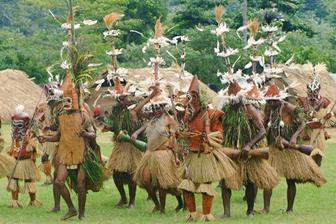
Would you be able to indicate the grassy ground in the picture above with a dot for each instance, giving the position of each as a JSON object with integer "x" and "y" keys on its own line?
{"x": 313, "y": 205}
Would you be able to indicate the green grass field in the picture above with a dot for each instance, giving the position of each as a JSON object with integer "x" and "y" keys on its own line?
{"x": 313, "y": 205}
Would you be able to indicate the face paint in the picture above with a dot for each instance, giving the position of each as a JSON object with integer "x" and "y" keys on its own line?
{"x": 193, "y": 105}
{"x": 313, "y": 90}
{"x": 19, "y": 124}
{"x": 67, "y": 103}
{"x": 157, "y": 110}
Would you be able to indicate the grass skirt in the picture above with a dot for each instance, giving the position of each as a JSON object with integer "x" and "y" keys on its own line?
{"x": 7, "y": 164}
{"x": 208, "y": 167}
{"x": 258, "y": 171}
{"x": 2, "y": 143}
{"x": 296, "y": 165}
{"x": 49, "y": 148}
{"x": 27, "y": 171}
{"x": 124, "y": 158}
{"x": 199, "y": 170}
{"x": 162, "y": 167}
{"x": 94, "y": 173}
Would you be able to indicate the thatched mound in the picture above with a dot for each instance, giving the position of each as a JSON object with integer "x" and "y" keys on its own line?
{"x": 16, "y": 88}
{"x": 143, "y": 77}
{"x": 301, "y": 74}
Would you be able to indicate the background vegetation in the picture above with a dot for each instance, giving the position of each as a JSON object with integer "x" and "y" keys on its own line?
{"x": 30, "y": 39}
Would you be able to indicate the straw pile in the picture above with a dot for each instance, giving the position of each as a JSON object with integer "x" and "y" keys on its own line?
{"x": 16, "y": 88}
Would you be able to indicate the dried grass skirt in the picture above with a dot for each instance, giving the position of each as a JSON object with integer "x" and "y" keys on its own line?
{"x": 199, "y": 170}
{"x": 124, "y": 158}
{"x": 7, "y": 164}
{"x": 295, "y": 165}
{"x": 162, "y": 167}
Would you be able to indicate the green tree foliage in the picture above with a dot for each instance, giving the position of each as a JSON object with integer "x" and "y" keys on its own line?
{"x": 30, "y": 39}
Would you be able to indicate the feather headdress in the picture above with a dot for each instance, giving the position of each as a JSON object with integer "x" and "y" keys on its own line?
{"x": 158, "y": 29}
{"x": 219, "y": 12}
{"x": 111, "y": 18}
{"x": 254, "y": 26}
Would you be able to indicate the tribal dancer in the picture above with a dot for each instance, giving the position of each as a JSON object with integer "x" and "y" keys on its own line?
{"x": 291, "y": 160}
{"x": 206, "y": 161}
{"x": 125, "y": 156}
{"x": 317, "y": 113}
{"x": 49, "y": 125}
{"x": 243, "y": 132}
{"x": 23, "y": 149}
{"x": 75, "y": 157}
{"x": 7, "y": 162}
{"x": 157, "y": 170}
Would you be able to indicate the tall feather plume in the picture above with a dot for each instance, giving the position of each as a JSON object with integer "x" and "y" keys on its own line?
{"x": 321, "y": 70}
{"x": 219, "y": 12}
{"x": 111, "y": 18}
{"x": 254, "y": 26}
{"x": 158, "y": 28}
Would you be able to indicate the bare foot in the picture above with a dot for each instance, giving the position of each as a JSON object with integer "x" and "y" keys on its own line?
{"x": 55, "y": 210}
{"x": 131, "y": 206}
{"x": 250, "y": 214}
{"x": 155, "y": 209}
{"x": 179, "y": 208}
{"x": 35, "y": 203}
{"x": 81, "y": 217}
{"x": 263, "y": 211}
{"x": 15, "y": 204}
{"x": 69, "y": 214}
{"x": 121, "y": 203}
{"x": 225, "y": 216}
{"x": 289, "y": 212}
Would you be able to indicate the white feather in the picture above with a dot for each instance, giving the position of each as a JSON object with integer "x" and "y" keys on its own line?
{"x": 248, "y": 65}
{"x": 19, "y": 108}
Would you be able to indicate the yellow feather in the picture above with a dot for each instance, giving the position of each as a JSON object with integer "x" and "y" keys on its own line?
{"x": 158, "y": 28}
{"x": 111, "y": 18}
{"x": 254, "y": 26}
{"x": 219, "y": 12}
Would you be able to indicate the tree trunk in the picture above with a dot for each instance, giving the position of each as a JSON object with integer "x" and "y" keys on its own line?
{"x": 244, "y": 11}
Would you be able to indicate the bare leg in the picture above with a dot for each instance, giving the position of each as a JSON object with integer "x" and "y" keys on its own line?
{"x": 267, "y": 200}
{"x": 81, "y": 185}
{"x": 180, "y": 204}
{"x": 57, "y": 195}
{"x": 162, "y": 197}
{"x": 317, "y": 159}
{"x": 62, "y": 174}
{"x": 15, "y": 200}
{"x": 152, "y": 193}
{"x": 33, "y": 200}
{"x": 189, "y": 199}
{"x": 132, "y": 192}
{"x": 118, "y": 180}
{"x": 250, "y": 196}
{"x": 291, "y": 192}
{"x": 207, "y": 205}
{"x": 226, "y": 197}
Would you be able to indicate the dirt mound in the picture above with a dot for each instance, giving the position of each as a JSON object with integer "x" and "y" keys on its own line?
{"x": 16, "y": 88}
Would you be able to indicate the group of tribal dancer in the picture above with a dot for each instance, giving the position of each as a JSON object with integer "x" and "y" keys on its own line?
{"x": 176, "y": 143}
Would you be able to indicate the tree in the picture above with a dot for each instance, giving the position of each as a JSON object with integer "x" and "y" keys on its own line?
{"x": 140, "y": 15}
